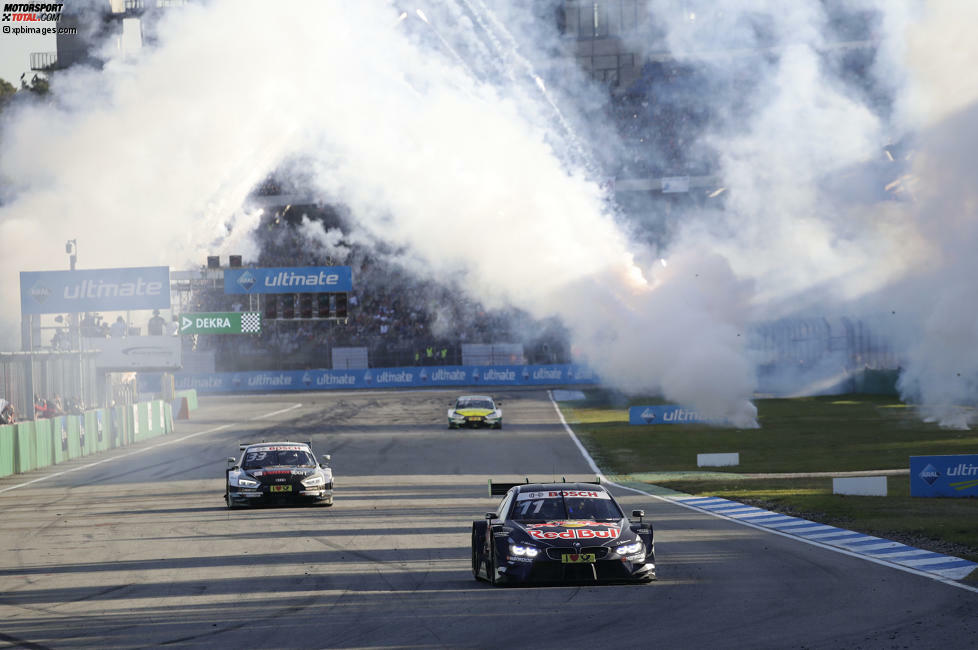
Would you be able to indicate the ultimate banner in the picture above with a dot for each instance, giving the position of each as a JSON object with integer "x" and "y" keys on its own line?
{"x": 73, "y": 292}
{"x": 299, "y": 279}
{"x": 411, "y": 377}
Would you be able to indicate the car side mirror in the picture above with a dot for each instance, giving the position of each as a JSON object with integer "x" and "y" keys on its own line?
{"x": 326, "y": 458}
{"x": 639, "y": 514}
{"x": 490, "y": 515}
{"x": 231, "y": 461}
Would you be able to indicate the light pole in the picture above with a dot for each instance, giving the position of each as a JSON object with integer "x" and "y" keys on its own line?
{"x": 71, "y": 248}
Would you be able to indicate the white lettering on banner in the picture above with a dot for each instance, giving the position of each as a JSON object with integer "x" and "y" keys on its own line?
{"x": 547, "y": 373}
{"x": 270, "y": 380}
{"x": 388, "y": 377}
{"x": 681, "y": 415}
{"x": 199, "y": 382}
{"x": 499, "y": 375}
{"x": 963, "y": 470}
{"x": 342, "y": 380}
{"x": 448, "y": 375}
{"x": 89, "y": 289}
{"x": 293, "y": 279}
{"x": 212, "y": 323}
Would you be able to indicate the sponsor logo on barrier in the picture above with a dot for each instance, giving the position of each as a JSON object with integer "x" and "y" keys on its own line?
{"x": 665, "y": 414}
{"x": 270, "y": 380}
{"x": 336, "y": 380}
{"x": 548, "y": 373}
{"x": 395, "y": 377}
{"x": 366, "y": 378}
{"x": 499, "y": 375}
{"x": 448, "y": 375}
{"x": 930, "y": 474}
{"x": 944, "y": 476}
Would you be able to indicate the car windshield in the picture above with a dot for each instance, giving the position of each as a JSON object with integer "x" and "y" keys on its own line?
{"x": 259, "y": 458}
{"x": 474, "y": 404}
{"x": 557, "y": 505}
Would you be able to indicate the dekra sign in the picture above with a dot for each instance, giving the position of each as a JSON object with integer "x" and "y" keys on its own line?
{"x": 212, "y": 323}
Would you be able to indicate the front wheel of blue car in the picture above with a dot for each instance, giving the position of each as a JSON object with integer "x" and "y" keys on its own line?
{"x": 491, "y": 564}
{"x": 478, "y": 533}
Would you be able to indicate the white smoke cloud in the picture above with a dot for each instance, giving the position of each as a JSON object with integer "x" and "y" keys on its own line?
{"x": 439, "y": 134}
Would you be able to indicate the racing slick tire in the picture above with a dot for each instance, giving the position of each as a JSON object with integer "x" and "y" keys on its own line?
{"x": 491, "y": 564}
{"x": 478, "y": 532}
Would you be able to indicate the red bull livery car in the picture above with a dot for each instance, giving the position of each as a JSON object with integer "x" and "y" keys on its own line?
{"x": 278, "y": 473}
{"x": 475, "y": 411}
{"x": 560, "y": 532}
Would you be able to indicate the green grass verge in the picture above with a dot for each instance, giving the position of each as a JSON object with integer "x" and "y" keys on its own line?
{"x": 814, "y": 434}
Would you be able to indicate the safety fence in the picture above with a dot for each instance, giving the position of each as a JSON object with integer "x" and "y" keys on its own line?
{"x": 35, "y": 444}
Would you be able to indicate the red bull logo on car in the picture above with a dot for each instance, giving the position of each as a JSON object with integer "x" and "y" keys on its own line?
{"x": 610, "y": 532}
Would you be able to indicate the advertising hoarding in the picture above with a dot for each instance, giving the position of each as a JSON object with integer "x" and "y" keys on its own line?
{"x": 299, "y": 279}
{"x": 412, "y": 377}
{"x": 89, "y": 290}
{"x": 664, "y": 414}
{"x": 944, "y": 476}
{"x": 232, "y": 322}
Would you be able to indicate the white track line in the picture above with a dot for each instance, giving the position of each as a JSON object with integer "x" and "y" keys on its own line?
{"x": 835, "y": 549}
{"x": 135, "y": 452}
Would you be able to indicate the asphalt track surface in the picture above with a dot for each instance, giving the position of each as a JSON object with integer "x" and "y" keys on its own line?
{"x": 134, "y": 548}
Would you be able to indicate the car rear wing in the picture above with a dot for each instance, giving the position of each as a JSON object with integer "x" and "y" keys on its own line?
{"x": 498, "y": 489}
{"x": 244, "y": 445}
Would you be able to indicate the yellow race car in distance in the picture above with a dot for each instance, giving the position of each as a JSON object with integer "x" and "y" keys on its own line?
{"x": 475, "y": 411}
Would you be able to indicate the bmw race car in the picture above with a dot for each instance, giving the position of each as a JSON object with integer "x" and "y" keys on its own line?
{"x": 560, "y": 532}
{"x": 475, "y": 411}
{"x": 277, "y": 473}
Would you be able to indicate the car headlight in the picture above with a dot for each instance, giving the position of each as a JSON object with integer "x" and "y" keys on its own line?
{"x": 523, "y": 551}
{"x": 629, "y": 549}
{"x": 495, "y": 415}
{"x": 457, "y": 416}
{"x": 314, "y": 481}
{"x": 245, "y": 482}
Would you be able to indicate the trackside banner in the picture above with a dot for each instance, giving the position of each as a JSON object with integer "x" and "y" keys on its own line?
{"x": 664, "y": 414}
{"x": 60, "y": 292}
{"x": 412, "y": 377}
{"x": 299, "y": 279}
{"x": 944, "y": 476}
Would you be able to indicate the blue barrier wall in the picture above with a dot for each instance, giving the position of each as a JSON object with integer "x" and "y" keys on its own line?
{"x": 944, "y": 476}
{"x": 412, "y": 377}
{"x": 663, "y": 414}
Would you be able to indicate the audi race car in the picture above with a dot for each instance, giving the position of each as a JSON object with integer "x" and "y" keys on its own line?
{"x": 278, "y": 473}
{"x": 560, "y": 532}
{"x": 475, "y": 411}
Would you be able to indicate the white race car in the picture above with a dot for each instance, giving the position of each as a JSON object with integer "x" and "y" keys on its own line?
{"x": 475, "y": 411}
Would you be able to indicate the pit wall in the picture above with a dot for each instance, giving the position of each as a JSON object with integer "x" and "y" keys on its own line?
{"x": 35, "y": 444}
{"x": 410, "y": 377}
